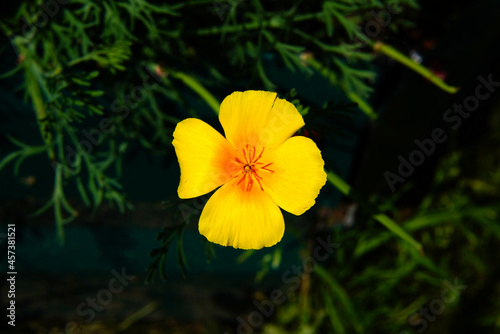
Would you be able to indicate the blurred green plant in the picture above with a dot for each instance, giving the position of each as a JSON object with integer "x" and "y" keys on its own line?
{"x": 65, "y": 63}
{"x": 456, "y": 223}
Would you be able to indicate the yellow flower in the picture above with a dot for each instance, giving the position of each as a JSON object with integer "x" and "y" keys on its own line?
{"x": 259, "y": 167}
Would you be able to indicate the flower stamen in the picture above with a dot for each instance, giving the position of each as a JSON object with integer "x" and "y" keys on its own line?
{"x": 265, "y": 167}
{"x": 249, "y": 167}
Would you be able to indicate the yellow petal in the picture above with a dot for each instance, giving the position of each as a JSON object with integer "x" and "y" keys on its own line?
{"x": 204, "y": 157}
{"x": 258, "y": 118}
{"x": 298, "y": 175}
{"x": 242, "y": 219}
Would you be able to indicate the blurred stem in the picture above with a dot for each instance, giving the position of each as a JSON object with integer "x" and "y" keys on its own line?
{"x": 238, "y": 27}
{"x": 390, "y": 224}
{"x": 365, "y": 107}
{"x": 274, "y": 22}
{"x": 319, "y": 43}
{"x": 57, "y": 205}
{"x": 36, "y": 97}
{"x": 35, "y": 93}
{"x": 426, "y": 73}
{"x": 197, "y": 88}
{"x": 137, "y": 316}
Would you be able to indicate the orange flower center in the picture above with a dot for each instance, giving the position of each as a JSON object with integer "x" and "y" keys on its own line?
{"x": 250, "y": 167}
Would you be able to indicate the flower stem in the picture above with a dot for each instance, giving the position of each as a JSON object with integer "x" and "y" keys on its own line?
{"x": 426, "y": 73}
{"x": 36, "y": 96}
{"x": 197, "y": 88}
{"x": 274, "y": 22}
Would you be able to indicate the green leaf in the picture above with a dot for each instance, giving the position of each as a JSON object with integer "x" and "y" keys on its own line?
{"x": 398, "y": 230}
